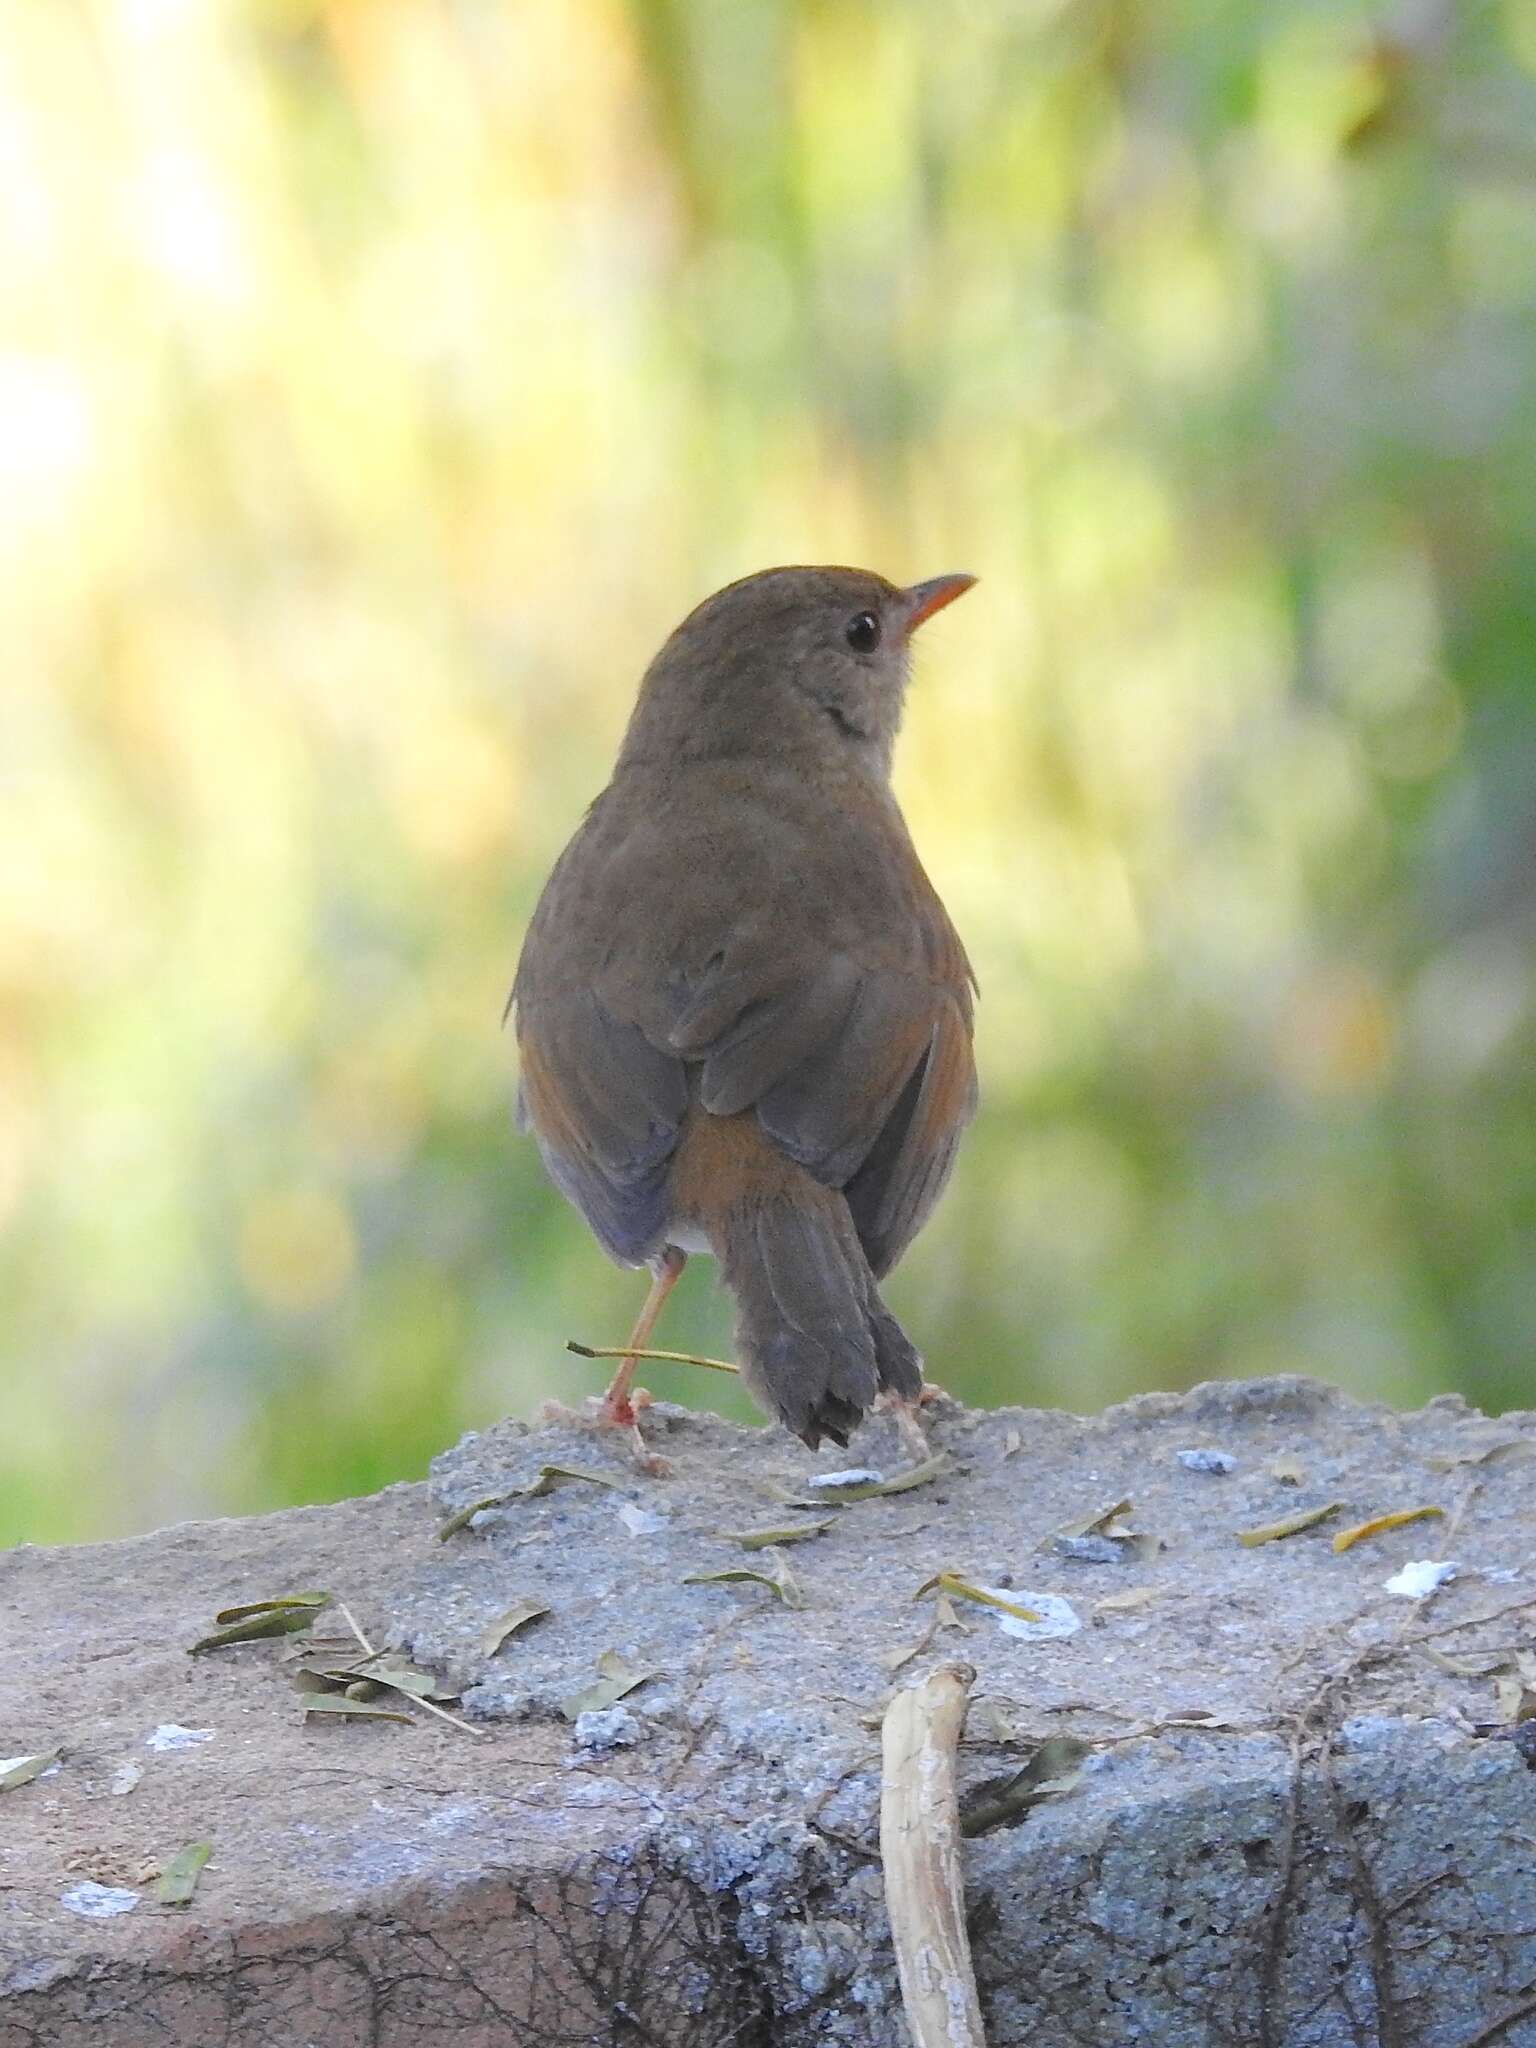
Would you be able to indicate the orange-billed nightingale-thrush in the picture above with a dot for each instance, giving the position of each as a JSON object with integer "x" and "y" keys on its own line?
{"x": 743, "y": 1014}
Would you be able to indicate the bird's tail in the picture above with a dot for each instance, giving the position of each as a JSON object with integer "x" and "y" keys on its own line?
{"x": 814, "y": 1341}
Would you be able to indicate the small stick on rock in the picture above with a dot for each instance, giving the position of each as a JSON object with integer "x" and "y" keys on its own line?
{"x": 920, "y": 1848}
{"x": 667, "y": 1357}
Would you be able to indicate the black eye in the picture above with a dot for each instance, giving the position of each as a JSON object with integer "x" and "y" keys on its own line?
{"x": 863, "y": 633}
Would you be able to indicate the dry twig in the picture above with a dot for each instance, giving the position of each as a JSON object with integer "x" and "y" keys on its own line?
{"x": 920, "y": 1848}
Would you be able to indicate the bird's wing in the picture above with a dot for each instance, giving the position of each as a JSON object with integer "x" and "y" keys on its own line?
{"x": 606, "y": 1107}
{"x": 858, "y": 1063}
{"x": 904, "y": 1172}
{"x": 849, "y": 1032}
{"x": 604, "y": 1102}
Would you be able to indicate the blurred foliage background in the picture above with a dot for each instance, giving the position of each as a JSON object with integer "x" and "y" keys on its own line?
{"x": 379, "y": 382}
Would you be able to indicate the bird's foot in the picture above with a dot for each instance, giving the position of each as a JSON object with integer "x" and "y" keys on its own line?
{"x": 904, "y": 1413}
{"x": 617, "y": 1409}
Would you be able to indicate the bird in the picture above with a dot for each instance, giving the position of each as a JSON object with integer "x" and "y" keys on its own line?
{"x": 744, "y": 1020}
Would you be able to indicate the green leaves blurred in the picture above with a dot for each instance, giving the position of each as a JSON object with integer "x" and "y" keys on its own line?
{"x": 381, "y": 384}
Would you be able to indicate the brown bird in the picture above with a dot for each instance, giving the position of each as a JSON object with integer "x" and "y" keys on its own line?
{"x": 744, "y": 1016}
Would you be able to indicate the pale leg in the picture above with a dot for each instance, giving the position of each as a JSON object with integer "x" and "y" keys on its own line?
{"x": 906, "y": 1416}
{"x": 618, "y": 1407}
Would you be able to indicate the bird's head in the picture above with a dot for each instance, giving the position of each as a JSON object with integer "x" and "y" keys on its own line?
{"x": 786, "y": 661}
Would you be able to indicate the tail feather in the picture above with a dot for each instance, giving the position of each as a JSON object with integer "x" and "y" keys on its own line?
{"x": 815, "y": 1342}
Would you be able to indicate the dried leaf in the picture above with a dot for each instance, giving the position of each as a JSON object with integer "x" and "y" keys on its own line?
{"x": 944, "y": 1617}
{"x": 1487, "y": 1454}
{"x": 1122, "y": 1603}
{"x": 1348, "y": 1538}
{"x": 552, "y": 1476}
{"x": 272, "y": 1621}
{"x": 988, "y": 1721}
{"x": 1104, "y": 1537}
{"x": 339, "y": 1703}
{"x": 466, "y": 1515}
{"x": 307, "y": 1680}
{"x": 616, "y": 1677}
{"x": 962, "y": 1589}
{"x": 1514, "y": 1690}
{"x": 893, "y": 1660}
{"x": 226, "y": 1615}
{"x": 762, "y": 1539}
{"x": 362, "y": 1678}
{"x": 1050, "y": 1772}
{"x": 1514, "y": 1701}
{"x": 1466, "y": 1667}
{"x": 1289, "y": 1471}
{"x": 178, "y": 1880}
{"x": 875, "y": 1489}
{"x": 1288, "y": 1525}
{"x": 517, "y": 1616}
{"x": 400, "y": 1676}
{"x": 547, "y": 1479}
{"x": 1096, "y": 1524}
{"x": 641, "y": 1521}
{"x": 780, "y": 1580}
{"x": 23, "y": 1769}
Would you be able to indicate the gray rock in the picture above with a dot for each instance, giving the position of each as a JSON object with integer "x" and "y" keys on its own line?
{"x": 1206, "y": 1459}
{"x": 604, "y": 1728}
{"x": 1293, "y": 1829}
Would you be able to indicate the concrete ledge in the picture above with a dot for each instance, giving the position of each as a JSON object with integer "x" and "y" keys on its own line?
{"x": 1293, "y": 1828}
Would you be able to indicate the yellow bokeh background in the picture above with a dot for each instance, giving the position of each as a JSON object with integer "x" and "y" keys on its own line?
{"x": 381, "y": 379}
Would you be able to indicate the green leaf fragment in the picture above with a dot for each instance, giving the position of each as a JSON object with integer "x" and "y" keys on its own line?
{"x": 780, "y": 1580}
{"x": 466, "y": 1515}
{"x": 339, "y": 1703}
{"x": 384, "y": 1668}
{"x": 517, "y": 1616}
{"x": 616, "y": 1677}
{"x": 227, "y": 1615}
{"x": 1107, "y": 1525}
{"x": 763, "y": 1539}
{"x": 876, "y": 1489}
{"x": 178, "y": 1881}
{"x": 271, "y": 1621}
{"x": 552, "y": 1476}
{"x": 1488, "y": 1454}
{"x": 26, "y": 1768}
{"x": 402, "y": 1677}
{"x": 962, "y": 1589}
{"x": 1050, "y": 1772}
{"x": 1099, "y": 1523}
{"x": 546, "y": 1480}
{"x": 1288, "y": 1525}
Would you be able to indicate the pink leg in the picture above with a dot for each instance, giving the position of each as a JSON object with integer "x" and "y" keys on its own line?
{"x": 618, "y": 1407}
{"x": 906, "y": 1414}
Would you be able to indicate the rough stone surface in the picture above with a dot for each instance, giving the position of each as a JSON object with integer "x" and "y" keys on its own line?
{"x": 1294, "y": 1829}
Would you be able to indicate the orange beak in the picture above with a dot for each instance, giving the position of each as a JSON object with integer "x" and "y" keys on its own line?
{"x": 927, "y": 598}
